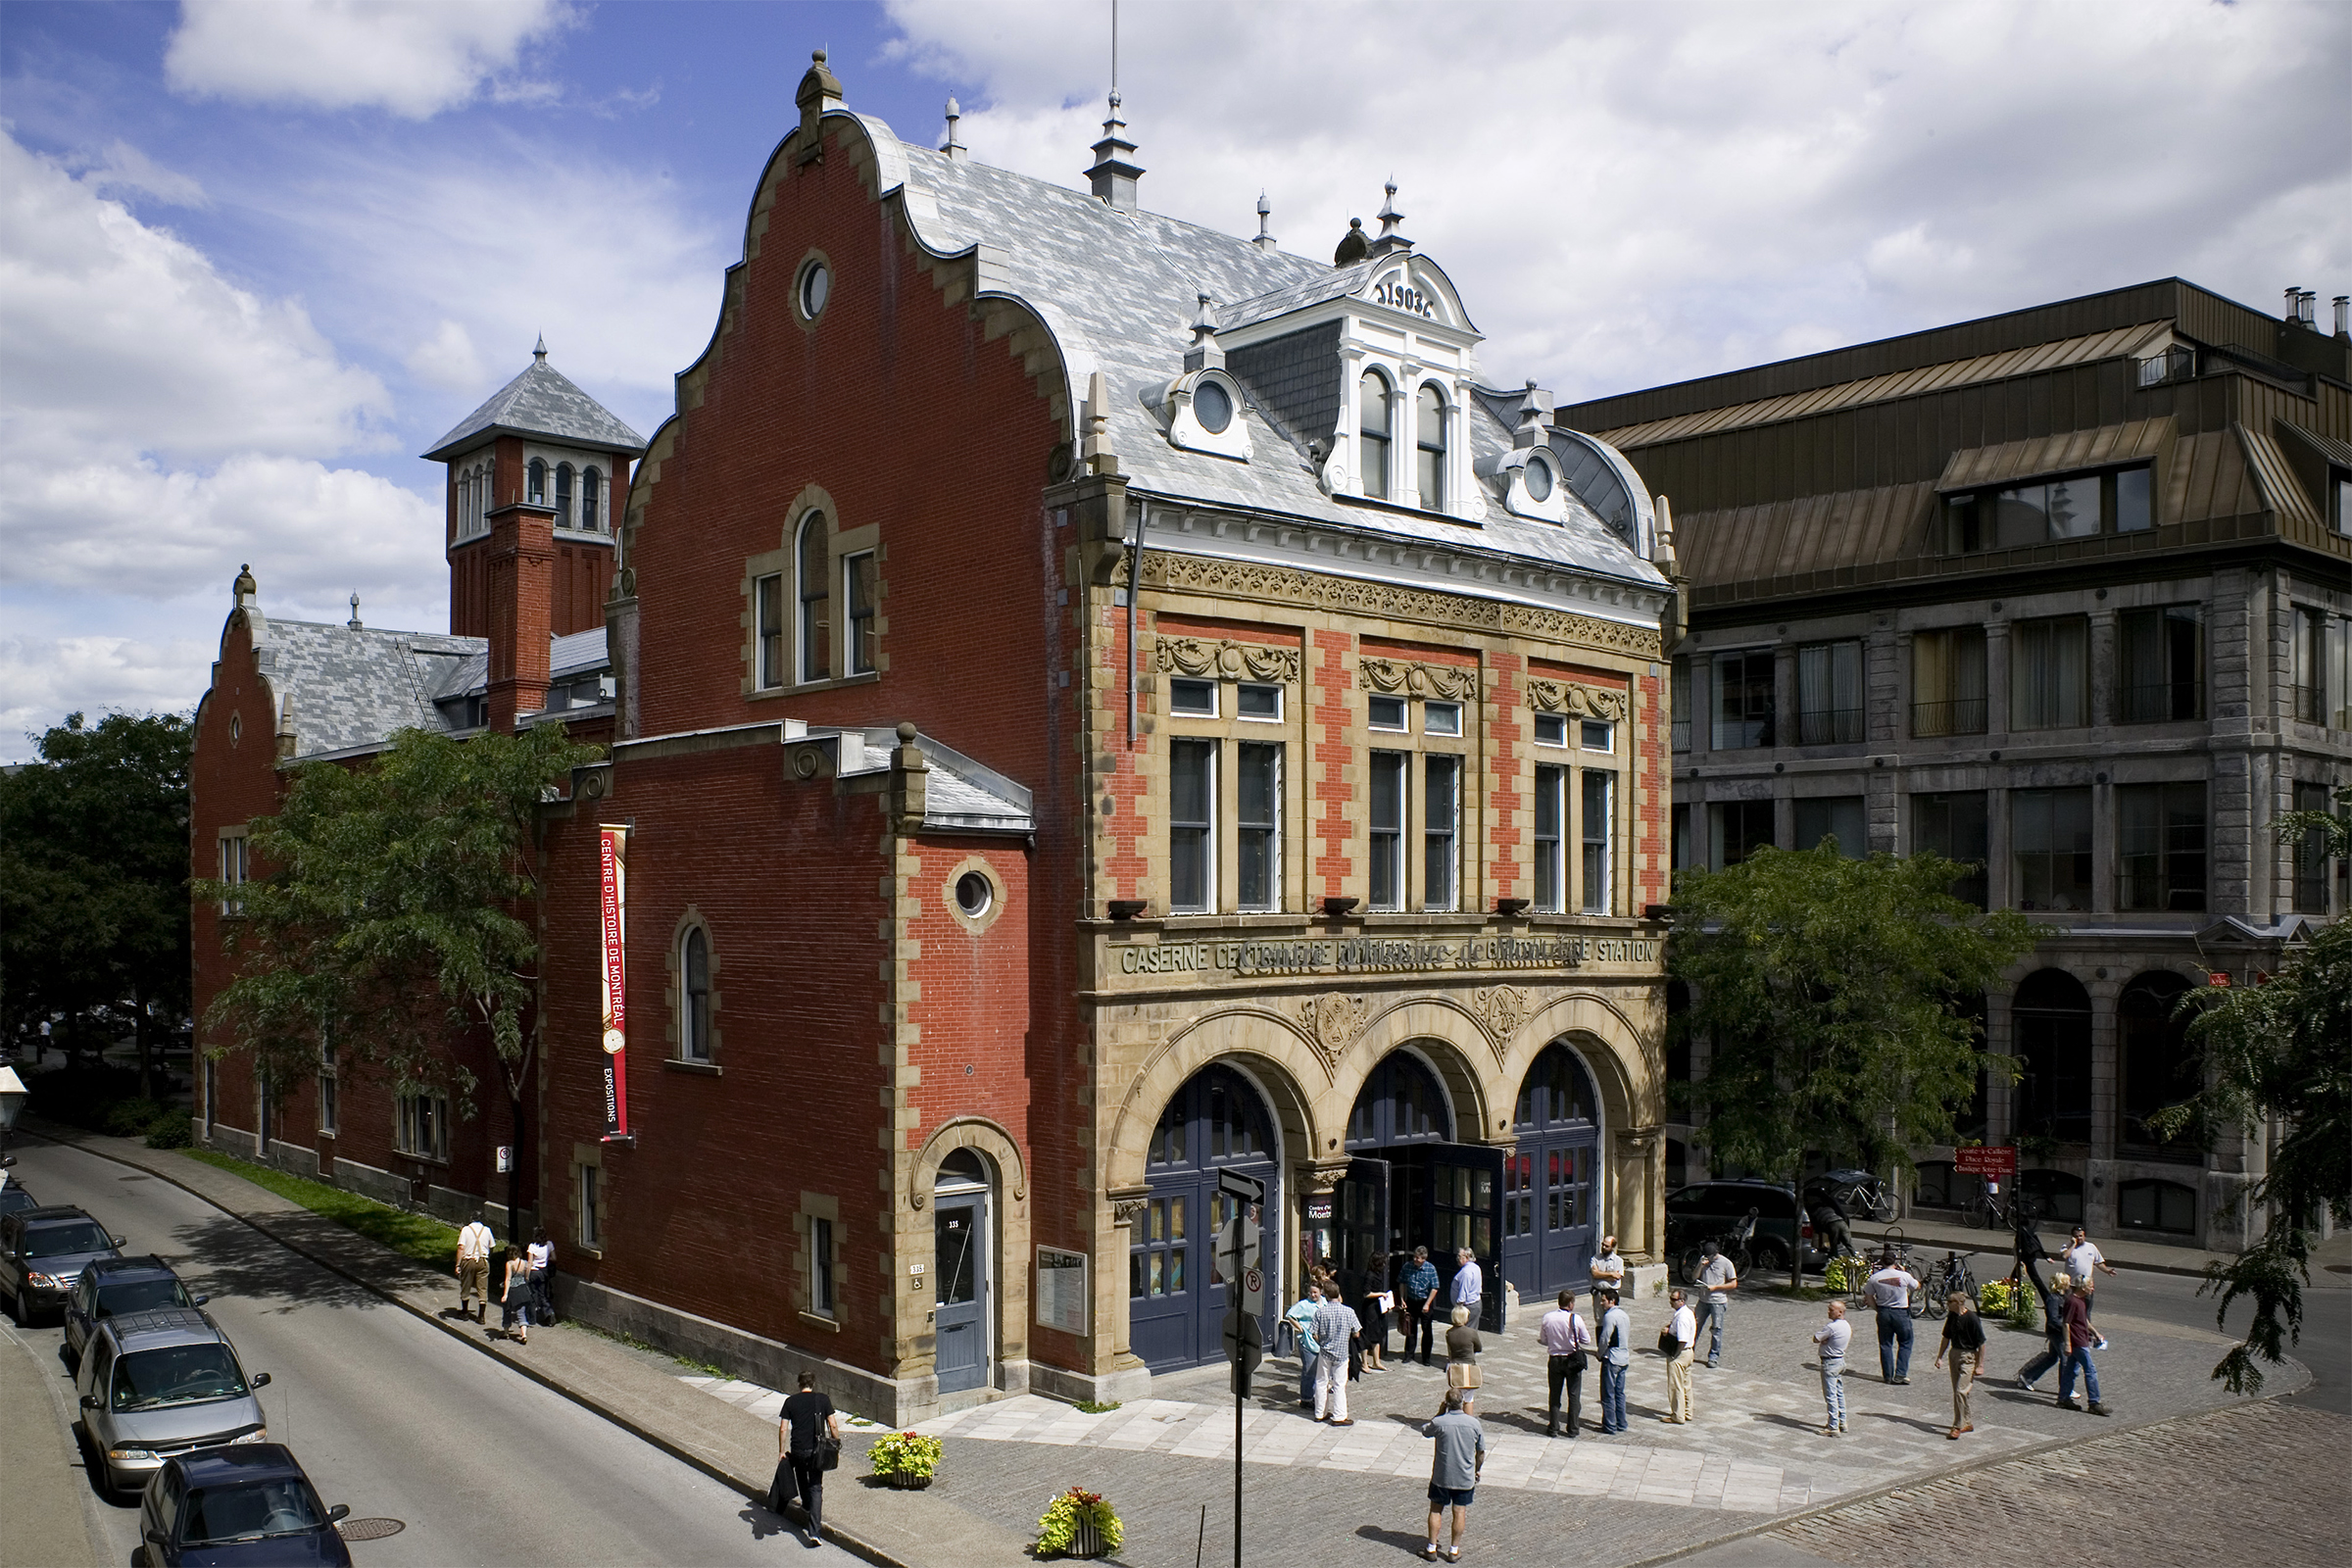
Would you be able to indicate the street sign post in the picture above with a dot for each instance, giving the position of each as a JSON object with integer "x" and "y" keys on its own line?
{"x": 1238, "y": 1263}
{"x": 1999, "y": 1162}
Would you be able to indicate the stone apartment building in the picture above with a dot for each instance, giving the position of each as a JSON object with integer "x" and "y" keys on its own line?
{"x": 2063, "y": 592}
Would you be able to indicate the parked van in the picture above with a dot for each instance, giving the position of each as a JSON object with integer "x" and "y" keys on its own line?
{"x": 159, "y": 1384}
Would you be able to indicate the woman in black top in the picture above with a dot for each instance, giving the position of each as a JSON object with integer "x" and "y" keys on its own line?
{"x": 1964, "y": 1342}
{"x": 808, "y": 1418}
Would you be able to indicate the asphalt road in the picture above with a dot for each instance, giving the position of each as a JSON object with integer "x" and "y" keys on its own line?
{"x": 2326, "y": 1347}
{"x": 396, "y": 1418}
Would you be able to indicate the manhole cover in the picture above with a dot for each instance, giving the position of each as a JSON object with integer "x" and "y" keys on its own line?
{"x": 369, "y": 1529}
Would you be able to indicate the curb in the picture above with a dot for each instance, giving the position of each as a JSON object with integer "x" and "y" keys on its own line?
{"x": 752, "y": 1491}
{"x": 2120, "y": 1265}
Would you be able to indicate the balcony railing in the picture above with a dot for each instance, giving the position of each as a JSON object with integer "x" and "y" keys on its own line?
{"x": 1829, "y": 726}
{"x": 1682, "y": 734}
{"x": 1962, "y": 715}
{"x": 2310, "y": 703}
{"x": 2157, "y": 701}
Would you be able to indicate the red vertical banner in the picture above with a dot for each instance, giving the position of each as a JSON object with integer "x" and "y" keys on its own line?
{"x": 614, "y": 917}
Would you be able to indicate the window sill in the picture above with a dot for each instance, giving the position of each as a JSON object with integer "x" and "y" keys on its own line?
{"x": 832, "y": 683}
{"x": 701, "y": 1070}
{"x": 577, "y": 1250}
{"x": 818, "y": 1320}
{"x": 441, "y": 1160}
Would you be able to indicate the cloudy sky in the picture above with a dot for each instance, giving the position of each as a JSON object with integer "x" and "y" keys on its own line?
{"x": 256, "y": 256}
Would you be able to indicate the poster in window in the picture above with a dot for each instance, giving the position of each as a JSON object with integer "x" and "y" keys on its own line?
{"x": 1061, "y": 1300}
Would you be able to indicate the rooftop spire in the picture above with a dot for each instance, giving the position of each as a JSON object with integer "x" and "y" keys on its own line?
{"x": 539, "y": 350}
{"x": 1204, "y": 352}
{"x": 354, "y": 623}
{"x": 1114, "y": 172}
{"x": 953, "y": 148}
{"x": 1266, "y": 235}
{"x": 1391, "y": 224}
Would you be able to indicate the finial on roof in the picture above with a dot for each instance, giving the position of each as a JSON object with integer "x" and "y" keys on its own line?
{"x": 1533, "y": 408}
{"x": 1391, "y": 224}
{"x": 819, "y": 93}
{"x": 953, "y": 148}
{"x": 1113, "y": 174}
{"x": 354, "y": 623}
{"x": 539, "y": 350}
{"x": 1266, "y": 235}
{"x": 1204, "y": 353}
{"x": 245, "y": 587}
{"x": 1355, "y": 246}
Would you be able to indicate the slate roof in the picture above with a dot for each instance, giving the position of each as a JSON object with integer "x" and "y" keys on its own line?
{"x": 541, "y": 402}
{"x": 353, "y": 689}
{"x": 958, "y": 791}
{"x": 1119, "y": 291}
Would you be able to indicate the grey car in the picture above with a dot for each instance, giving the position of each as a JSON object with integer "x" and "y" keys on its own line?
{"x": 43, "y": 1252}
{"x": 159, "y": 1384}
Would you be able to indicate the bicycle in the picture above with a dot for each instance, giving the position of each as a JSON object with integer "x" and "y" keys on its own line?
{"x": 1739, "y": 1247}
{"x": 1945, "y": 1278}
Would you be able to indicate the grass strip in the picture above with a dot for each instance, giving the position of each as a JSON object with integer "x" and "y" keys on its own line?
{"x": 417, "y": 1237}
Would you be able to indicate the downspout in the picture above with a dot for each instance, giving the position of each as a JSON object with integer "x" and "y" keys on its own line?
{"x": 1135, "y": 580}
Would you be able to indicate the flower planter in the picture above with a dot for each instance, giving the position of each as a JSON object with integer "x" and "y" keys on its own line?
{"x": 1085, "y": 1540}
{"x": 906, "y": 1481}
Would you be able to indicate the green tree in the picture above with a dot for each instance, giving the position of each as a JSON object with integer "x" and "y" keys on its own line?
{"x": 1832, "y": 994}
{"x": 394, "y": 910}
{"x": 94, "y": 885}
{"x": 2280, "y": 1052}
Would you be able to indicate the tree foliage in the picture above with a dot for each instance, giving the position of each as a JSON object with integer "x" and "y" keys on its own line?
{"x": 393, "y": 910}
{"x": 2280, "y": 1051}
{"x": 93, "y": 882}
{"x": 1834, "y": 993}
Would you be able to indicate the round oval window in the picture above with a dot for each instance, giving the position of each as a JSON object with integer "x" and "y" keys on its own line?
{"x": 973, "y": 893}
{"x": 1539, "y": 479}
{"x": 1212, "y": 406}
{"x": 816, "y": 287}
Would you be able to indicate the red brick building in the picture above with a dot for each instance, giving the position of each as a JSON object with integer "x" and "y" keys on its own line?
{"x": 1102, "y": 706}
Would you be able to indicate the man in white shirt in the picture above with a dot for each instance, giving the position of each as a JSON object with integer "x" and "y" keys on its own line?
{"x": 1608, "y": 1273}
{"x": 1833, "y": 1338}
{"x": 2082, "y": 1256}
{"x": 474, "y": 1267}
{"x": 1678, "y": 1365}
{"x": 1891, "y": 1290}
{"x": 1566, "y": 1342}
{"x": 1716, "y": 1276}
{"x": 1468, "y": 1284}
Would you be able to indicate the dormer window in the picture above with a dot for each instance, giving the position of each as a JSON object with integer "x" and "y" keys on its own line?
{"x": 1372, "y": 458}
{"x": 563, "y": 495}
{"x": 1203, "y": 408}
{"x": 1212, "y": 406}
{"x": 535, "y": 483}
{"x": 1538, "y": 478}
{"x": 1429, "y": 437}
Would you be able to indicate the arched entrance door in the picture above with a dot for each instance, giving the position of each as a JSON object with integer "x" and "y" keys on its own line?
{"x": 2050, "y": 1021}
{"x": 2156, "y": 1066}
{"x": 965, "y": 1268}
{"x": 1175, "y": 1301}
{"x": 1549, "y": 1184}
{"x": 1410, "y": 1185}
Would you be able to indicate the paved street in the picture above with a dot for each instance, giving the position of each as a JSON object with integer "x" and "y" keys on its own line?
{"x": 398, "y": 1419}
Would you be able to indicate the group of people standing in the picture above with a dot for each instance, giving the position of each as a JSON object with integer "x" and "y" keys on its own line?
{"x": 522, "y": 1281}
{"x": 1338, "y": 1343}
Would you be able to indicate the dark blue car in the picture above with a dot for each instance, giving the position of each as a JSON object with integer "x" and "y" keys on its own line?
{"x": 229, "y": 1507}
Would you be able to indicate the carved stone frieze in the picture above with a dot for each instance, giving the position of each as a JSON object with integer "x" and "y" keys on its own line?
{"x": 1573, "y": 697}
{"x": 1227, "y": 659}
{"x": 1500, "y": 1011}
{"x": 1284, "y": 585}
{"x": 1333, "y": 1021}
{"x": 1446, "y": 681}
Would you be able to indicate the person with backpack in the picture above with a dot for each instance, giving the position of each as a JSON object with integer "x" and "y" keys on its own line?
{"x": 1616, "y": 1357}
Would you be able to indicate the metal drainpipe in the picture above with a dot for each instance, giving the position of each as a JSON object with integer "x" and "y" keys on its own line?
{"x": 1135, "y": 582}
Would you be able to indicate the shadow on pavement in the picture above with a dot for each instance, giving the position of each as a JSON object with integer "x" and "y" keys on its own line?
{"x": 1789, "y": 1421}
{"x": 229, "y": 1258}
{"x": 1405, "y": 1541}
{"x": 764, "y": 1524}
{"x": 1932, "y": 1428}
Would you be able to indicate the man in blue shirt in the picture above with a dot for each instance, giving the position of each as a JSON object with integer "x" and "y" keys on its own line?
{"x": 1454, "y": 1475}
{"x": 1616, "y": 1356}
{"x": 1419, "y": 1287}
{"x": 1468, "y": 1284}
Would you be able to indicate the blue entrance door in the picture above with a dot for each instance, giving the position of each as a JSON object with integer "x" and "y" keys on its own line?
{"x": 1217, "y": 1121}
{"x": 961, "y": 1267}
{"x": 1548, "y": 1196}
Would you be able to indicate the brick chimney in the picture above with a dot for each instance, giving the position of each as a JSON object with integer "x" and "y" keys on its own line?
{"x": 521, "y": 562}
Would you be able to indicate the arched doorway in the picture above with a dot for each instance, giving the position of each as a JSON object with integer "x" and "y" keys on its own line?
{"x": 963, "y": 1268}
{"x": 1216, "y": 1121}
{"x": 1550, "y": 1183}
{"x": 1409, "y": 1185}
{"x": 2156, "y": 1066}
{"x": 2050, "y": 1026}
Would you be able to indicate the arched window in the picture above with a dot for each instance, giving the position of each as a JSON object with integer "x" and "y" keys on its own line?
{"x": 465, "y": 505}
{"x": 694, "y": 997}
{"x": 563, "y": 495}
{"x": 1372, "y": 456}
{"x": 817, "y": 600}
{"x": 592, "y": 489}
{"x": 1401, "y": 1102}
{"x": 2050, "y": 1029}
{"x": 1428, "y": 439}
{"x": 2156, "y": 1065}
{"x": 535, "y": 486}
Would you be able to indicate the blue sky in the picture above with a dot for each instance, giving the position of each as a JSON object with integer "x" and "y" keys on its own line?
{"x": 257, "y": 256}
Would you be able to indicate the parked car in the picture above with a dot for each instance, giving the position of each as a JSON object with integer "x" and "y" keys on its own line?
{"x": 160, "y": 1384}
{"x": 42, "y": 1252}
{"x": 16, "y": 1195}
{"x": 234, "y": 1506}
{"x": 115, "y": 1287}
{"x": 1708, "y": 1210}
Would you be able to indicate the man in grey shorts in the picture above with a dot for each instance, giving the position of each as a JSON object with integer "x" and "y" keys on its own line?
{"x": 1453, "y": 1477}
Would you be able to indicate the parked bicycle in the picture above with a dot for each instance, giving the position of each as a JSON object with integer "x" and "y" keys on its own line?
{"x": 1950, "y": 1275}
{"x": 1738, "y": 1245}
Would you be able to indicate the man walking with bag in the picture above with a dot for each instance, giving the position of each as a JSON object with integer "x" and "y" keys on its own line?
{"x": 1568, "y": 1345}
{"x": 475, "y": 1243}
{"x": 808, "y": 1445}
{"x": 1616, "y": 1355}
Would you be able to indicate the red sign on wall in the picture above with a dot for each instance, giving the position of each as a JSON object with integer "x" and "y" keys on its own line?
{"x": 1999, "y": 1164}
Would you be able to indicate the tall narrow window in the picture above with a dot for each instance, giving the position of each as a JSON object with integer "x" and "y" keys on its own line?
{"x": 2310, "y": 853}
{"x": 1372, "y": 438}
{"x": 1829, "y": 693}
{"x": 2049, "y": 842}
{"x": 563, "y": 517}
{"x": 1953, "y": 825}
{"x": 1388, "y": 830}
{"x": 2335, "y": 662}
{"x": 1600, "y": 831}
{"x": 2160, "y": 846}
{"x": 1191, "y": 830}
{"x": 535, "y": 483}
{"x": 2308, "y": 665}
{"x": 858, "y": 577}
{"x": 1681, "y": 698}
{"x": 1441, "y": 833}
{"x": 769, "y": 604}
{"x": 330, "y": 1112}
{"x": 694, "y": 1000}
{"x": 591, "y": 1185}
{"x": 232, "y": 871}
{"x": 464, "y": 494}
{"x": 1429, "y": 443}
{"x": 2160, "y": 664}
{"x": 1257, "y": 826}
{"x": 1947, "y": 682}
{"x": 592, "y": 494}
{"x": 820, "y": 1268}
{"x": 817, "y": 600}
{"x": 1744, "y": 700}
{"x": 1551, "y": 801}
{"x": 2049, "y": 673}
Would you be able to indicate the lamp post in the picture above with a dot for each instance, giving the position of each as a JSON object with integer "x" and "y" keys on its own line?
{"x": 13, "y": 1096}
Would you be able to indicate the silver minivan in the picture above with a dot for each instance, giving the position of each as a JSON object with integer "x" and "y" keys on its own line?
{"x": 158, "y": 1383}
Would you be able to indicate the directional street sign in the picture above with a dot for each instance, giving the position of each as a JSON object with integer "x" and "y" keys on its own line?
{"x": 1249, "y": 1189}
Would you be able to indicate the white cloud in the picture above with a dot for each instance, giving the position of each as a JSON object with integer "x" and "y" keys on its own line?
{"x": 1630, "y": 195}
{"x": 447, "y": 359}
{"x": 126, "y": 168}
{"x": 124, "y": 339}
{"x": 410, "y": 58}
{"x": 46, "y": 679}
